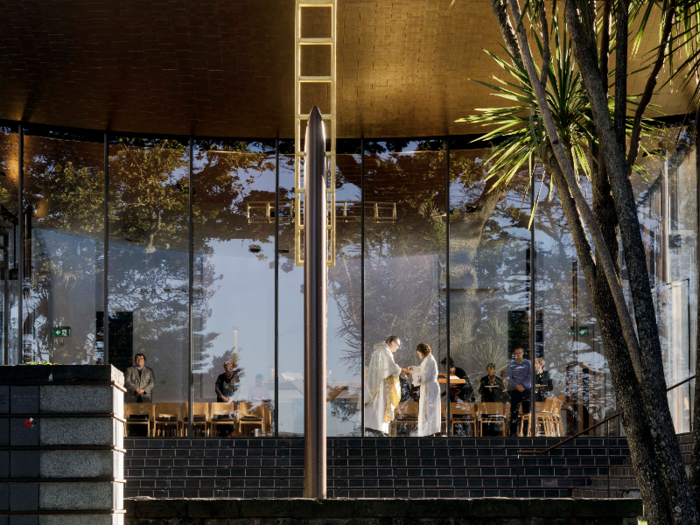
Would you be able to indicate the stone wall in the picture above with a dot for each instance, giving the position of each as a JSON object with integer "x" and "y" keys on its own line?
{"x": 491, "y": 511}
{"x": 61, "y": 445}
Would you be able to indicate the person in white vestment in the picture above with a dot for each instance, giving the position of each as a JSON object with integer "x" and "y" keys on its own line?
{"x": 429, "y": 402}
{"x": 382, "y": 386}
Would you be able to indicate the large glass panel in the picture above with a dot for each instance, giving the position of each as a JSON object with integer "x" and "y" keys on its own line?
{"x": 9, "y": 221}
{"x": 291, "y": 306}
{"x": 64, "y": 246}
{"x": 489, "y": 281}
{"x": 234, "y": 273}
{"x": 667, "y": 204}
{"x": 405, "y": 247}
{"x": 568, "y": 339}
{"x": 344, "y": 298}
{"x": 148, "y": 259}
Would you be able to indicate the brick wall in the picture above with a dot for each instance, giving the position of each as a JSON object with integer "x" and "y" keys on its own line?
{"x": 366, "y": 467}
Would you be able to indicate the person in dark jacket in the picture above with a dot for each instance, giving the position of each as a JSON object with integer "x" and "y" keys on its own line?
{"x": 227, "y": 383}
{"x": 462, "y": 392}
{"x": 543, "y": 381}
{"x": 491, "y": 387}
{"x": 139, "y": 381}
{"x": 519, "y": 376}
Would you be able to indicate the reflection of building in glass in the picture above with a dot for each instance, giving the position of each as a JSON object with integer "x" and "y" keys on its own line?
{"x": 240, "y": 263}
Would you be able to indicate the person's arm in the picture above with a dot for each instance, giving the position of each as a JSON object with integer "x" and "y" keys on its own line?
{"x": 527, "y": 381}
{"x": 550, "y": 384}
{"x": 395, "y": 370}
{"x": 151, "y": 381}
{"x": 430, "y": 374}
{"x": 510, "y": 376}
{"x": 128, "y": 381}
{"x": 218, "y": 386}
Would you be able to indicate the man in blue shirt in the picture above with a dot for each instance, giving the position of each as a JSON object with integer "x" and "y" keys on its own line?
{"x": 519, "y": 383}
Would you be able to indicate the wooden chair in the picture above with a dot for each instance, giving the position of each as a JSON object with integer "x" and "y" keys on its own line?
{"x": 140, "y": 414}
{"x": 221, "y": 414}
{"x": 524, "y": 417}
{"x": 543, "y": 417}
{"x": 493, "y": 413}
{"x": 167, "y": 416}
{"x": 556, "y": 416}
{"x": 405, "y": 413}
{"x": 249, "y": 417}
{"x": 463, "y": 413}
{"x": 200, "y": 419}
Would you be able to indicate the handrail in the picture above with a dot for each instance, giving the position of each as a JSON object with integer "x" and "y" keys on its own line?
{"x": 616, "y": 414}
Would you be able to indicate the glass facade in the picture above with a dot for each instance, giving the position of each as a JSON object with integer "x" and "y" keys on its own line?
{"x": 183, "y": 249}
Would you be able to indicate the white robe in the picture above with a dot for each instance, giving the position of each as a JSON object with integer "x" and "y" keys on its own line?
{"x": 429, "y": 406}
{"x": 382, "y": 388}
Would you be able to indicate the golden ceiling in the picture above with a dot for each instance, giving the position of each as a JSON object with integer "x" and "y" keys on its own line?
{"x": 225, "y": 68}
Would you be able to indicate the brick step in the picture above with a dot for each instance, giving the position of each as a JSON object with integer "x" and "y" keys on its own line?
{"x": 374, "y": 471}
{"x": 352, "y": 493}
{"x": 394, "y": 468}
{"x": 603, "y": 493}
{"x": 227, "y": 482}
{"x": 628, "y": 482}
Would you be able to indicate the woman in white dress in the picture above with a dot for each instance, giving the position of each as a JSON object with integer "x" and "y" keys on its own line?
{"x": 429, "y": 404}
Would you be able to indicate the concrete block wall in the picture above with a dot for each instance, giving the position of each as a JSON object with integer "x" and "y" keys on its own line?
{"x": 61, "y": 445}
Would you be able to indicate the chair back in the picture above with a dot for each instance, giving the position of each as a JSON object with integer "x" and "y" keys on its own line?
{"x": 243, "y": 410}
{"x": 138, "y": 409}
{"x": 200, "y": 411}
{"x": 462, "y": 409}
{"x": 221, "y": 409}
{"x": 168, "y": 411}
{"x": 548, "y": 405}
{"x": 250, "y": 410}
{"x": 561, "y": 398}
{"x": 406, "y": 409}
{"x": 556, "y": 407}
{"x": 492, "y": 409}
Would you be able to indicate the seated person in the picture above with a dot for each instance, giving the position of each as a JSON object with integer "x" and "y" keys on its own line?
{"x": 543, "y": 381}
{"x": 258, "y": 393}
{"x": 227, "y": 383}
{"x": 491, "y": 387}
{"x": 462, "y": 392}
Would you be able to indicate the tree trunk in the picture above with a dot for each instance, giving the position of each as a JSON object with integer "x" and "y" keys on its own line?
{"x": 627, "y": 392}
{"x": 654, "y": 388}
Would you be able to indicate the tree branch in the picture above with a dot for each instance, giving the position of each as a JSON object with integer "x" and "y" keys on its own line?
{"x": 622, "y": 22}
{"x": 499, "y": 8}
{"x": 651, "y": 85}
{"x": 604, "y": 258}
{"x": 603, "y": 63}
{"x": 546, "y": 54}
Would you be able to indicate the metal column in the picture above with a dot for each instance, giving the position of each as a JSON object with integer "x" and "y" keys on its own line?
{"x": 315, "y": 284}
{"x": 105, "y": 269}
{"x": 190, "y": 295}
{"x": 19, "y": 255}
{"x": 533, "y": 315}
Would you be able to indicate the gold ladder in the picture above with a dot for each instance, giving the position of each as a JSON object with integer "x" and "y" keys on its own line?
{"x": 308, "y": 11}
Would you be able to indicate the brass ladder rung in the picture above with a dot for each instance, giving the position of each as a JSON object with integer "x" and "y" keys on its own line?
{"x": 316, "y": 41}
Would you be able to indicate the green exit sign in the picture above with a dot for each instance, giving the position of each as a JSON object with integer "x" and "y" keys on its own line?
{"x": 582, "y": 332}
{"x": 61, "y": 332}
